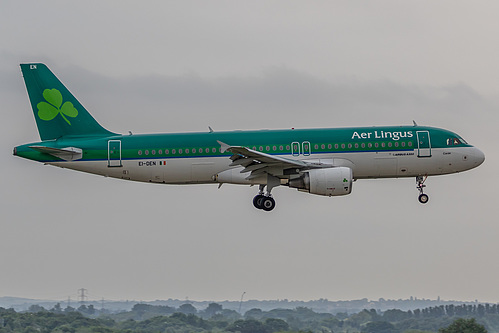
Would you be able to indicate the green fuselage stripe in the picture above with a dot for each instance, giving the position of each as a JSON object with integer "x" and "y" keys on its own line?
{"x": 277, "y": 142}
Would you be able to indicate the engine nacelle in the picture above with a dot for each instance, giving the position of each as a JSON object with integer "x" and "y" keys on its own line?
{"x": 327, "y": 181}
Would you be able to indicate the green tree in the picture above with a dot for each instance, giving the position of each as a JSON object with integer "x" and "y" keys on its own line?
{"x": 462, "y": 325}
{"x": 69, "y": 309}
{"x": 213, "y": 309}
{"x": 36, "y": 308}
{"x": 57, "y": 308}
{"x": 187, "y": 309}
{"x": 360, "y": 318}
{"x": 395, "y": 315}
{"x": 253, "y": 314}
{"x": 247, "y": 326}
{"x": 379, "y": 327}
{"x": 275, "y": 325}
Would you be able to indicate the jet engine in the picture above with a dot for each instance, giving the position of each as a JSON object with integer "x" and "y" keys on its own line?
{"x": 327, "y": 181}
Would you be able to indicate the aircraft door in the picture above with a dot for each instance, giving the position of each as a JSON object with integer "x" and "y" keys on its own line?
{"x": 114, "y": 153}
{"x": 424, "y": 143}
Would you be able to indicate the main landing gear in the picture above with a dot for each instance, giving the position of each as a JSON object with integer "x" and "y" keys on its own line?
{"x": 423, "y": 198}
{"x": 264, "y": 201}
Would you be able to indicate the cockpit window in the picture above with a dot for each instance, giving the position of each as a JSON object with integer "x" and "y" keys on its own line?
{"x": 454, "y": 141}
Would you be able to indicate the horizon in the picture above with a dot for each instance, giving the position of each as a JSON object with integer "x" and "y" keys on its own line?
{"x": 381, "y": 299}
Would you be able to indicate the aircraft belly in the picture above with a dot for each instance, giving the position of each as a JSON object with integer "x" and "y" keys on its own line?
{"x": 392, "y": 164}
{"x": 171, "y": 171}
{"x": 94, "y": 167}
{"x": 192, "y": 170}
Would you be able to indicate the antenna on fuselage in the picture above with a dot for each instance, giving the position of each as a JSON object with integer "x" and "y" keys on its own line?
{"x": 211, "y": 129}
{"x": 414, "y": 122}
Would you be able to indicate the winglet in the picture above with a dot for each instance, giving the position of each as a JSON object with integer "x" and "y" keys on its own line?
{"x": 224, "y": 146}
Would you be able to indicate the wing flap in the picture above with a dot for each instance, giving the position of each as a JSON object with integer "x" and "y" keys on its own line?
{"x": 258, "y": 163}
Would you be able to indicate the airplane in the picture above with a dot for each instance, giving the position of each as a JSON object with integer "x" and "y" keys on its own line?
{"x": 322, "y": 161}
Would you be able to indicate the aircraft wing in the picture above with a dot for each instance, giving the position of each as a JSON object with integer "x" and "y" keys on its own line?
{"x": 258, "y": 162}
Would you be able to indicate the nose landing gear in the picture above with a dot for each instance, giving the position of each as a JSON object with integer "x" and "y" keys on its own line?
{"x": 423, "y": 198}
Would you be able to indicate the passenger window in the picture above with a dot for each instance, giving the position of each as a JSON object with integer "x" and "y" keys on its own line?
{"x": 306, "y": 148}
{"x": 295, "y": 149}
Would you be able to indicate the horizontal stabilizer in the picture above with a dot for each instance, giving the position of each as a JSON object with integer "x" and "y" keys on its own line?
{"x": 67, "y": 154}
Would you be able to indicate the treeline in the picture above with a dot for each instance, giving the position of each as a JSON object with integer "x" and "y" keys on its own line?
{"x": 146, "y": 318}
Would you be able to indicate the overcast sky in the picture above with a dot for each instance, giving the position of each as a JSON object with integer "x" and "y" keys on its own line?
{"x": 174, "y": 66}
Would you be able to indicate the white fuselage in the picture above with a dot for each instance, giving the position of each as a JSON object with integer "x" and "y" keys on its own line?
{"x": 197, "y": 170}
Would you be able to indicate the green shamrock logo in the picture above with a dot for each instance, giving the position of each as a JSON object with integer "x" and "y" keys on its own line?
{"x": 48, "y": 111}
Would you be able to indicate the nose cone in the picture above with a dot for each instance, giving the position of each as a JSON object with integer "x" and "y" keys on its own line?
{"x": 478, "y": 156}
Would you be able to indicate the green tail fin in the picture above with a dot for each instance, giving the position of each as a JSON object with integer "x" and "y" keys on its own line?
{"x": 57, "y": 112}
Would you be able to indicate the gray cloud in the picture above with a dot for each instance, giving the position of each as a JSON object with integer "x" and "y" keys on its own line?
{"x": 279, "y": 97}
{"x": 170, "y": 67}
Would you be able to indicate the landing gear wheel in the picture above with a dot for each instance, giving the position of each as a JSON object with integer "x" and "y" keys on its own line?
{"x": 268, "y": 203}
{"x": 257, "y": 201}
{"x": 423, "y": 198}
